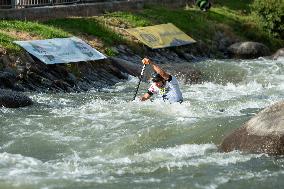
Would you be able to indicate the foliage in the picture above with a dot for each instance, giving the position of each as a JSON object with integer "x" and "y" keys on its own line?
{"x": 271, "y": 15}
{"x": 110, "y": 52}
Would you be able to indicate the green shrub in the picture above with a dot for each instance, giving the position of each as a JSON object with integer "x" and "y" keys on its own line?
{"x": 271, "y": 15}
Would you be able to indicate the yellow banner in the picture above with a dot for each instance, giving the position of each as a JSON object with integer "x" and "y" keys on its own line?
{"x": 160, "y": 36}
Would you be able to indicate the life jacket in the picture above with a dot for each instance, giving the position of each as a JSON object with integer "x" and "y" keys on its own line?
{"x": 169, "y": 92}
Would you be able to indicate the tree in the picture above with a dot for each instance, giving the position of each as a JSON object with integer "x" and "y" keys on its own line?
{"x": 271, "y": 14}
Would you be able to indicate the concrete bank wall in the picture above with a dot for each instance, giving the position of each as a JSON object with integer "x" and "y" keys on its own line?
{"x": 90, "y": 9}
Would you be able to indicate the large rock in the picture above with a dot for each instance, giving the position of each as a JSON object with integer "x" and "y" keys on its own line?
{"x": 126, "y": 66}
{"x": 264, "y": 133}
{"x": 278, "y": 54}
{"x": 12, "y": 99}
{"x": 247, "y": 50}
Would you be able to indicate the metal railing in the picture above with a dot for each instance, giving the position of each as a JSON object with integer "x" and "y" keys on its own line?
{"x": 7, "y": 4}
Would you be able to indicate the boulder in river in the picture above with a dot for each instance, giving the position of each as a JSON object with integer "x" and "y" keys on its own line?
{"x": 12, "y": 99}
{"x": 278, "y": 54}
{"x": 248, "y": 50}
{"x": 264, "y": 133}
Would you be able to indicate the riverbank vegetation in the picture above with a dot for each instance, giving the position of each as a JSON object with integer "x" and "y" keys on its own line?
{"x": 238, "y": 19}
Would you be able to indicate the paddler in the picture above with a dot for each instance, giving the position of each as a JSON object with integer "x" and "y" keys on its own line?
{"x": 164, "y": 85}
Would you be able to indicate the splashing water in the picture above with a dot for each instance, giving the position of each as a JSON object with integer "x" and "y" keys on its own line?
{"x": 101, "y": 139}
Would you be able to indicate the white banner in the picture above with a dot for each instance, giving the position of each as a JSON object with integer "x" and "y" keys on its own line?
{"x": 61, "y": 50}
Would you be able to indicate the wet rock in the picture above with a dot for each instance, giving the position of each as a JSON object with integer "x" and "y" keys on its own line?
{"x": 126, "y": 66}
{"x": 264, "y": 133}
{"x": 7, "y": 80}
{"x": 1, "y": 64}
{"x": 71, "y": 79}
{"x": 5, "y": 60}
{"x": 83, "y": 86}
{"x": 199, "y": 49}
{"x": 184, "y": 72}
{"x": 19, "y": 87}
{"x": 59, "y": 84}
{"x": 185, "y": 55}
{"x": 122, "y": 49}
{"x": 35, "y": 77}
{"x": 46, "y": 82}
{"x": 11, "y": 71}
{"x": 115, "y": 72}
{"x": 278, "y": 54}
{"x": 12, "y": 99}
{"x": 222, "y": 40}
{"x": 248, "y": 50}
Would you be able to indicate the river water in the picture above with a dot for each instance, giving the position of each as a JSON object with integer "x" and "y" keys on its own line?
{"x": 100, "y": 139}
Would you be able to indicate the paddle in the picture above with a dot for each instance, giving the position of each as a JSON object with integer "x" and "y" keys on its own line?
{"x": 140, "y": 78}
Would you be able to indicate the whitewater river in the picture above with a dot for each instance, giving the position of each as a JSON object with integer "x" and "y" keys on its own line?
{"x": 100, "y": 139}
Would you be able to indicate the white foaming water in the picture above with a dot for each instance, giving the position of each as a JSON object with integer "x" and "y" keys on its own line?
{"x": 183, "y": 151}
{"x": 169, "y": 158}
{"x": 17, "y": 160}
{"x": 103, "y": 139}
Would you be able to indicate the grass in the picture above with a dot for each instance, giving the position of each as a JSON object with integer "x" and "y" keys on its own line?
{"x": 135, "y": 20}
{"x": 56, "y": 29}
{"x": 88, "y": 26}
{"x": 229, "y": 16}
{"x": 6, "y": 42}
{"x": 242, "y": 6}
{"x": 33, "y": 28}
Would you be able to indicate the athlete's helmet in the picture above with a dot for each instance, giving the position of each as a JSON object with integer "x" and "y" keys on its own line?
{"x": 156, "y": 77}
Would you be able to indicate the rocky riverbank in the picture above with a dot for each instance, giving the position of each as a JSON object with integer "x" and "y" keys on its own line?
{"x": 23, "y": 72}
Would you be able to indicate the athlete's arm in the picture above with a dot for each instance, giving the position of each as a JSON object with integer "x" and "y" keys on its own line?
{"x": 157, "y": 68}
{"x": 145, "y": 97}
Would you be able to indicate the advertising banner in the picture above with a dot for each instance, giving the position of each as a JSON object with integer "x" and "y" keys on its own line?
{"x": 61, "y": 50}
{"x": 160, "y": 36}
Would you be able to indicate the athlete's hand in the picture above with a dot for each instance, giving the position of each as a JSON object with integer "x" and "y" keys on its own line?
{"x": 146, "y": 61}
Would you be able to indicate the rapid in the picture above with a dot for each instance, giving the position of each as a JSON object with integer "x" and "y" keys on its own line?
{"x": 101, "y": 139}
